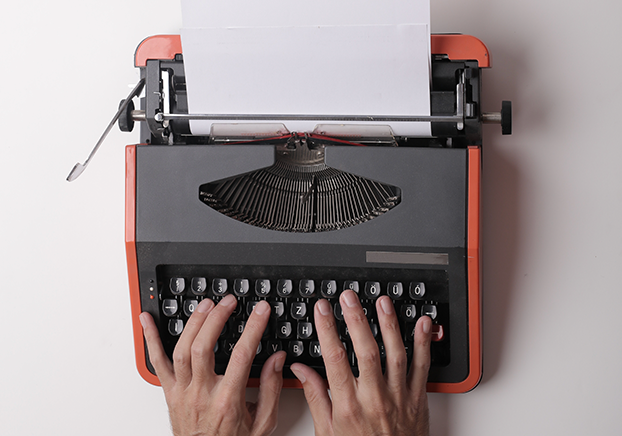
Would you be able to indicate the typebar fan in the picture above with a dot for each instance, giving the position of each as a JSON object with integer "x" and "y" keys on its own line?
{"x": 300, "y": 193}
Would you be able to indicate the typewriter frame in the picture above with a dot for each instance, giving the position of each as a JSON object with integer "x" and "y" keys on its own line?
{"x": 155, "y": 51}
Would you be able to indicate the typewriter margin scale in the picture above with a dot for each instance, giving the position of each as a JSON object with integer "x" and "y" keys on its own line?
{"x": 459, "y": 54}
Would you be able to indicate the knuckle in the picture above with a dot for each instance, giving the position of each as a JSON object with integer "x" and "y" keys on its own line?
{"x": 157, "y": 361}
{"x": 422, "y": 365}
{"x": 336, "y": 355}
{"x": 397, "y": 360}
{"x": 198, "y": 350}
{"x": 179, "y": 357}
{"x": 369, "y": 356}
{"x": 241, "y": 355}
{"x": 391, "y": 326}
{"x": 326, "y": 324}
{"x": 356, "y": 317}
{"x": 350, "y": 410}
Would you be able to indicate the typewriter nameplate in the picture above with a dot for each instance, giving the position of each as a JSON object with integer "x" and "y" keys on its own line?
{"x": 407, "y": 258}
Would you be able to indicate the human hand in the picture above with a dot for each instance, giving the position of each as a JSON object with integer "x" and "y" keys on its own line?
{"x": 202, "y": 403}
{"x": 373, "y": 404}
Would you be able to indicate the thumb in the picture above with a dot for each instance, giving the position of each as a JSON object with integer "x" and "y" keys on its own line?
{"x": 316, "y": 393}
{"x": 270, "y": 385}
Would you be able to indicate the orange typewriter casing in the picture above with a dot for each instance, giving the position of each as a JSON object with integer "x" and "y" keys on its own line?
{"x": 171, "y": 234}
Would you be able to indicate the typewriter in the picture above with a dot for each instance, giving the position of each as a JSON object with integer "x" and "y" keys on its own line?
{"x": 293, "y": 217}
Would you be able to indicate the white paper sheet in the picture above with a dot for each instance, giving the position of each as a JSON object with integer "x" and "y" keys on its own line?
{"x": 281, "y": 13}
{"x": 371, "y": 66}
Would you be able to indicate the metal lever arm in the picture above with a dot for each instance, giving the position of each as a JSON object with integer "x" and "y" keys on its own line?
{"x": 79, "y": 168}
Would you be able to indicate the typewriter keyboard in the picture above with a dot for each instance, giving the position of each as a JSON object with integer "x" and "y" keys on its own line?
{"x": 292, "y": 293}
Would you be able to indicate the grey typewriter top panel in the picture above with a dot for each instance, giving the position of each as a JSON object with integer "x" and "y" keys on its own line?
{"x": 432, "y": 211}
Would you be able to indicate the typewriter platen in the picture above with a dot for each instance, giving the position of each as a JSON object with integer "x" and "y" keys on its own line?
{"x": 293, "y": 217}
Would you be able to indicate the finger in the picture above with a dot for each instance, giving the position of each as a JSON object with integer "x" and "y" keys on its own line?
{"x": 239, "y": 366}
{"x": 160, "y": 361}
{"x": 202, "y": 349}
{"x": 421, "y": 355}
{"x": 270, "y": 385}
{"x": 182, "y": 361}
{"x": 316, "y": 394}
{"x": 365, "y": 346}
{"x": 396, "y": 360}
{"x": 338, "y": 372}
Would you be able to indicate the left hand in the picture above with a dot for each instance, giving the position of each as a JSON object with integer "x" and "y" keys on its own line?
{"x": 202, "y": 403}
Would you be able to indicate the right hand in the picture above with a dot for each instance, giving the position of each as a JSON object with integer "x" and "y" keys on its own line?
{"x": 373, "y": 404}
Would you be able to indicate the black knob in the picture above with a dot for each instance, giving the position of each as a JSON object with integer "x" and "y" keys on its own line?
{"x": 506, "y": 117}
{"x": 126, "y": 122}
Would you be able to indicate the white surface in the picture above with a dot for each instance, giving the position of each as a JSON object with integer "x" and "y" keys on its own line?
{"x": 309, "y": 70}
{"x": 552, "y": 212}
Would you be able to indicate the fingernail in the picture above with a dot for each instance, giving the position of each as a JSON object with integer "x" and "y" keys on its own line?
{"x": 228, "y": 300}
{"x": 142, "y": 319}
{"x": 323, "y": 306}
{"x": 387, "y": 306}
{"x": 427, "y": 325}
{"x": 278, "y": 363}
{"x": 349, "y": 298}
{"x": 299, "y": 375}
{"x": 261, "y": 307}
{"x": 205, "y": 305}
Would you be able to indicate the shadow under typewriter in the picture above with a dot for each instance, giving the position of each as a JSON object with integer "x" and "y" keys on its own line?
{"x": 300, "y": 193}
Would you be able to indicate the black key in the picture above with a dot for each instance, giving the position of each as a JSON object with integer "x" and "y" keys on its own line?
{"x": 219, "y": 287}
{"x": 409, "y": 353}
{"x": 170, "y": 307}
{"x": 372, "y": 290}
{"x": 305, "y": 330}
{"x": 409, "y": 312}
{"x": 177, "y": 285}
{"x": 338, "y": 312}
{"x": 353, "y": 285}
{"x": 229, "y": 345}
{"x": 306, "y": 288}
{"x": 241, "y": 287}
{"x": 344, "y": 333}
{"x": 189, "y": 306}
{"x": 278, "y": 309}
{"x": 328, "y": 288}
{"x": 395, "y": 290}
{"x": 250, "y": 305}
{"x": 409, "y": 332}
{"x": 383, "y": 353}
{"x": 429, "y": 310}
{"x": 296, "y": 348}
{"x": 374, "y": 329}
{"x": 262, "y": 287}
{"x": 298, "y": 310}
{"x": 284, "y": 287}
{"x": 416, "y": 290}
{"x": 237, "y": 328}
{"x": 369, "y": 310}
{"x": 353, "y": 359}
{"x": 274, "y": 346}
{"x": 314, "y": 349}
{"x": 175, "y": 326}
{"x": 284, "y": 330}
{"x": 198, "y": 285}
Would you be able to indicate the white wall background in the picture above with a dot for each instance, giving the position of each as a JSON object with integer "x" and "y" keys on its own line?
{"x": 552, "y": 215}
